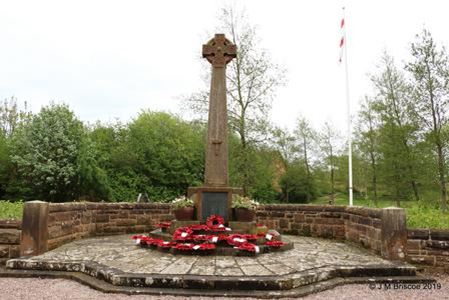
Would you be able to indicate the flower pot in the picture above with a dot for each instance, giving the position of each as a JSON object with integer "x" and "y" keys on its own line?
{"x": 244, "y": 214}
{"x": 184, "y": 214}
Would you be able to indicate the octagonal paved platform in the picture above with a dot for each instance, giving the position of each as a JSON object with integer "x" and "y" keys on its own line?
{"x": 119, "y": 262}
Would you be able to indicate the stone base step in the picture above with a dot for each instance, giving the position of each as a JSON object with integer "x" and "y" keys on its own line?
{"x": 300, "y": 291}
{"x": 281, "y": 282}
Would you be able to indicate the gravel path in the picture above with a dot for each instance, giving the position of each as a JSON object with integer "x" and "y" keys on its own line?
{"x": 56, "y": 289}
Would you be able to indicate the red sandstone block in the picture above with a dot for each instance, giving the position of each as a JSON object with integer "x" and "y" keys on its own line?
{"x": 117, "y": 230}
{"x": 444, "y": 245}
{"x": 63, "y": 216}
{"x": 325, "y": 231}
{"x": 422, "y": 259}
{"x": 9, "y": 236}
{"x": 102, "y": 218}
{"x": 126, "y": 222}
{"x": 277, "y": 214}
{"x": 373, "y": 233}
{"x": 296, "y": 226}
{"x": 418, "y": 234}
{"x": 365, "y": 221}
{"x": 327, "y": 214}
{"x": 144, "y": 220}
{"x": 299, "y": 218}
{"x": 261, "y": 213}
{"x": 313, "y": 208}
{"x": 377, "y": 223}
{"x": 352, "y": 235}
{"x": 338, "y": 232}
{"x": 91, "y": 206}
{"x": 330, "y": 221}
{"x": 10, "y": 224}
{"x": 4, "y": 251}
{"x": 123, "y": 214}
{"x": 364, "y": 211}
{"x": 442, "y": 259}
{"x": 284, "y": 223}
{"x": 441, "y": 235}
{"x": 413, "y": 244}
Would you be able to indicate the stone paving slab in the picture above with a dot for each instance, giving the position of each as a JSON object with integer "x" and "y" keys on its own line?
{"x": 119, "y": 261}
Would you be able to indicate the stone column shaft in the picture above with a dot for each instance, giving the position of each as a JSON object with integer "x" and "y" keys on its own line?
{"x": 216, "y": 167}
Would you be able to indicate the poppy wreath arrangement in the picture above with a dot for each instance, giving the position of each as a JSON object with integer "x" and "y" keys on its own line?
{"x": 205, "y": 237}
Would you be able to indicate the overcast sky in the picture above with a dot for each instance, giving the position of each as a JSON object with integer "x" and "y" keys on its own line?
{"x": 110, "y": 59}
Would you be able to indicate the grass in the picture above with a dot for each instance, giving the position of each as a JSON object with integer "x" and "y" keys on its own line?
{"x": 11, "y": 210}
{"x": 419, "y": 214}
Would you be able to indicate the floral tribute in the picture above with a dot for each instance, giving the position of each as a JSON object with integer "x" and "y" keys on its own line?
{"x": 205, "y": 237}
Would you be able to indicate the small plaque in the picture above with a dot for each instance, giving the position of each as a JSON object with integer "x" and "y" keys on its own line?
{"x": 214, "y": 204}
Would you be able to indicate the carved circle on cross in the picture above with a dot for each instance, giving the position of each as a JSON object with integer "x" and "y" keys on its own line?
{"x": 219, "y": 51}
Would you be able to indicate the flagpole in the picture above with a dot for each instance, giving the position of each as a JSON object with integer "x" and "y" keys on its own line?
{"x": 348, "y": 103}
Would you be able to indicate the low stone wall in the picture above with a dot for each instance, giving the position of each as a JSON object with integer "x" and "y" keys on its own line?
{"x": 382, "y": 231}
{"x": 70, "y": 221}
{"x": 9, "y": 239}
{"x": 429, "y": 248}
{"x": 355, "y": 224}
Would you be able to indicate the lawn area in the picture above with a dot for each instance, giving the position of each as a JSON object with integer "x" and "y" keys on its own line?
{"x": 11, "y": 210}
{"x": 418, "y": 214}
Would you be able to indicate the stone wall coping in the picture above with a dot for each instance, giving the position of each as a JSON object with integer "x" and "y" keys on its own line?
{"x": 12, "y": 223}
{"x": 357, "y": 210}
{"x": 428, "y": 234}
{"x": 73, "y": 206}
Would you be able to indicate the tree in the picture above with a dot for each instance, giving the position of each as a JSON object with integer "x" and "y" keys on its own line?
{"x": 305, "y": 135}
{"x": 430, "y": 78}
{"x": 329, "y": 143}
{"x": 158, "y": 154}
{"x": 283, "y": 142}
{"x": 5, "y": 164}
{"x": 53, "y": 157}
{"x": 399, "y": 129}
{"x": 11, "y": 116}
{"x": 368, "y": 140}
{"x": 297, "y": 184}
{"x": 252, "y": 80}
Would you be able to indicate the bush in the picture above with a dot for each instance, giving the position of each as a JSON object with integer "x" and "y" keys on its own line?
{"x": 11, "y": 210}
{"x": 55, "y": 161}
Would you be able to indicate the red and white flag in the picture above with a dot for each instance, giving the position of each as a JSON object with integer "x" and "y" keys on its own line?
{"x": 342, "y": 39}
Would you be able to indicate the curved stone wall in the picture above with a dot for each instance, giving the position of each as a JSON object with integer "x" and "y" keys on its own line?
{"x": 70, "y": 221}
{"x": 360, "y": 225}
{"x": 381, "y": 230}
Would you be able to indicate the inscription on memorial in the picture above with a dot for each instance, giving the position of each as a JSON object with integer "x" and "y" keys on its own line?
{"x": 214, "y": 204}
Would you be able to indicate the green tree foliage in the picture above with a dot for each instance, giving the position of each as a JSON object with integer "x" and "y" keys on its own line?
{"x": 297, "y": 183}
{"x": 367, "y": 144}
{"x": 5, "y": 164}
{"x": 53, "y": 157}
{"x": 398, "y": 130}
{"x": 429, "y": 70}
{"x": 157, "y": 153}
{"x": 329, "y": 143}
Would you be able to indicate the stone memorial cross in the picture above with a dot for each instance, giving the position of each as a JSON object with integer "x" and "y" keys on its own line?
{"x": 219, "y": 51}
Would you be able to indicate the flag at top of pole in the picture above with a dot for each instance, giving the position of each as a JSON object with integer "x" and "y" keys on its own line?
{"x": 344, "y": 56}
{"x": 342, "y": 39}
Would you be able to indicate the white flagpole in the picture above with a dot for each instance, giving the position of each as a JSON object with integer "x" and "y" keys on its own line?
{"x": 348, "y": 112}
